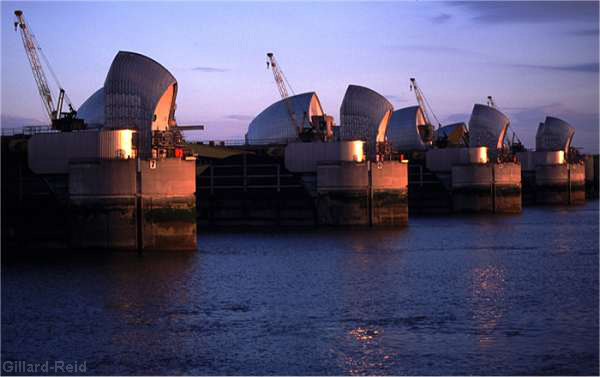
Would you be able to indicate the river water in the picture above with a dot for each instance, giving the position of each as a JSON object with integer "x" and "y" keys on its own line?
{"x": 446, "y": 295}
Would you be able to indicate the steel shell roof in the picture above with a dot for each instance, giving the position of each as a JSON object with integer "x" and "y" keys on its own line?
{"x": 402, "y": 131}
{"x": 554, "y": 135}
{"x": 487, "y": 127}
{"x": 364, "y": 115}
{"x": 274, "y": 123}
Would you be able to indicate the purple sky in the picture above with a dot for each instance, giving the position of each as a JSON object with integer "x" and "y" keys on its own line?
{"x": 536, "y": 59}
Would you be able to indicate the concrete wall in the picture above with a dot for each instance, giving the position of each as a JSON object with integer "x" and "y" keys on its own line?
{"x": 487, "y": 188}
{"x": 170, "y": 177}
{"x": 50, "y": 153}
{"x": 560, "y": 184}
{"x": 303, "y": 157}
{"x": 591, "y": 176}
{"x": 349, "y": 195}
{"x": 104, "y": 204}
{"x": 442, "y": 160}
{"x": 102, "y": 178}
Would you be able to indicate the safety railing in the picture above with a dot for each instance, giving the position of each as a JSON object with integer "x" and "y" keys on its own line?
{"x": 242, "y": 142}
{"x": 26, "y": 130}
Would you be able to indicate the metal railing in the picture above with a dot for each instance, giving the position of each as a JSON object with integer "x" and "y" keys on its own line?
{"x": 242, "y": 142}
{"x": 27, "y": 130}
{"x": 243, "y": 178}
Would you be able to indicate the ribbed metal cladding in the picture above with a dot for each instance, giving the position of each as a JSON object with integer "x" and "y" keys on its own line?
{"x": 133, "y": 87}
{"x": 274, "y": 123}
{"x": 554, "y": 135}
{"x": 487, "y": 127}
{"x": 402, "y": 131}
{"x": 361, "y": 114}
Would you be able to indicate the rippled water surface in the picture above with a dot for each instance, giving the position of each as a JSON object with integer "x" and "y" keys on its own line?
{"x": 447, "y": 295}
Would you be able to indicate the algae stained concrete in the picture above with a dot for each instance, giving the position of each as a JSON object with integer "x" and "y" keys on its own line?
{"x": 487, "y": 188}
{"x": 348, "y": 194}
{"x": 104, "y": 213}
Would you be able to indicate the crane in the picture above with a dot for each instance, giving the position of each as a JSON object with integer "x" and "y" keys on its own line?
{"x": 426, "y": 131}
{"x": 58, "y": 119}
{"x": 281, "y": 82}
{"x": 423, "y": 102}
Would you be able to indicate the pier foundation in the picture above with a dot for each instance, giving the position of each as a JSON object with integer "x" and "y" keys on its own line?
{"x": 486, "y": 188}
{"x": 112, "y": 206}
{"x": 560, "y": 184}
{"x": 365, "y": 193}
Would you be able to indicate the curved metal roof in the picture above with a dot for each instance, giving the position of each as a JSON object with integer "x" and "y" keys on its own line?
{"x": 274, "y": 123}
{"x": 487, "y": 127}
{"x": 554, "y": 135}
{"x": 402, "y": 131}
{"x": 133, "y": 88}
{"x": 92, "y": 110}
{"x": 453, "y": 132}
{"x": 364, "y": 114}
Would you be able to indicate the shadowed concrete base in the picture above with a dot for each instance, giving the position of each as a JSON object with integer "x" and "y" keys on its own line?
{"x": 350, "y": 194}
{"x": 560, "y": 184}
{"x": 104, "y": 199}
{"x": 487, "y": 188}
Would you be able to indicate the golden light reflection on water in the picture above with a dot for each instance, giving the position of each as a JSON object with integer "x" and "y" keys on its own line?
{"x": 363, "y": 334}
{"x": 488, "y": 302}
{"x": 362, "y": 352}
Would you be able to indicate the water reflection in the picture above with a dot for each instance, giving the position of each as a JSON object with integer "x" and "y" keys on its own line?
{"x": 364, "y": 289}
{"x": 363, "y": 352}
{"x": 488, "y": 301}
{"x": 137, "y": 288}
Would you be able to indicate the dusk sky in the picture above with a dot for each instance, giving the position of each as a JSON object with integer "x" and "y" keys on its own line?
{"x": 534, "y": 58}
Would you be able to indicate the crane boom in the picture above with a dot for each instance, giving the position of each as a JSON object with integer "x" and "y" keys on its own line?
{"x": 31, "y": 48}
{"x": 281, "y": 81}
{"x": 423, "y": 104}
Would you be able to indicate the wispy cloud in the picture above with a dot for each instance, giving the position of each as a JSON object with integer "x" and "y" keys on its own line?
{"x": 210, "y": 69}
{"x": 437, "y": 49}
{"x": 586, "y": 32}
{"x": 239, "y": 117}
{"x": 396, "y": 98}
{"x": 531, "y": 11}
{"x": 585, "y": 67}
{"x": 441, "y": 18}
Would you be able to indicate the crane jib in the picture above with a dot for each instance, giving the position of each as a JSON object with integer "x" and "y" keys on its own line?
{"x": 54, "y": 113}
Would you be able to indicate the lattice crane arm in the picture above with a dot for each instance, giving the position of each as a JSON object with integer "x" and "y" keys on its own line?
{"x": 31, "y": 48}
{"x": 281, "y": 82}
{"x": 423, "y": 102}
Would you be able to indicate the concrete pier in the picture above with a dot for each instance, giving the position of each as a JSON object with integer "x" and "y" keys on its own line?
{"x": 362, "y": 193}
{"x": 113, "y": 207}
{"x": 560, "y": 184}
{"x": 486, "y": 188}
{"x": 591, "y": 176}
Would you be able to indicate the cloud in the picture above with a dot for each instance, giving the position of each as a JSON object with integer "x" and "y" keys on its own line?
{"x": 15, "y": 121}
{"x": 239, "y": 117}
{"x": 396, "y": 98}
{"x": 531, "y": 11}
{"x": 584, "y": 67}
{"x": 441, "y": 18}
{"x": 456, "y": 118}
{"x": 438, "y": 49}
{"x": 210, "y": 69}
{"x": 586, "y": 32}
